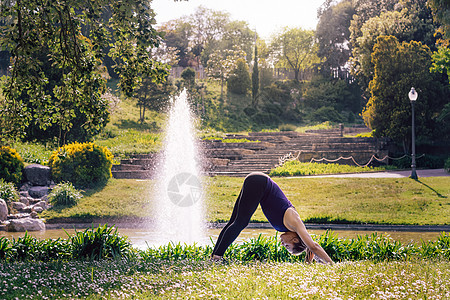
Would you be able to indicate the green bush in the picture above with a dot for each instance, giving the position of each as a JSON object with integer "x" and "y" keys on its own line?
{"x": 100, "y": 243}
{"x": 447, "y": 165}
{"x": 428, "y": 161}
{"x": 11, "y": 165}
{"x": 239, "y": 81}
{"x": 8, "y": 191}
{"x": 64, "y": 194}
{"x": 326, "y": 113}
{"x": 85, "y": 165}
{"x": 287, "y": 127}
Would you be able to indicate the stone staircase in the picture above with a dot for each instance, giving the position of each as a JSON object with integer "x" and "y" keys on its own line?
{"x": 139, "y": 166}
{"x": 262, "y": 156}
{"x": 240, "y": 159}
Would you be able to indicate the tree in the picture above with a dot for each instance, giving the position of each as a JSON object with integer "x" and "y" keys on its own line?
{"x": 188, "y": 76}
{"x": 177, "y": 34}
{"x": 411, "y": 20}
{"x": 255, "y": 78}
{"x": 222, "y": 63}
{"x": 333, "y": 36}
{"x": 295, "y": 49}
{"x": 152, "y": 95}
{"x": 441, "y": 12}
{"x": 206, "y": 31}
{"x": 57, "y": 48}
{"x": 239, "y": 80}
{"x": 397, "y": 68}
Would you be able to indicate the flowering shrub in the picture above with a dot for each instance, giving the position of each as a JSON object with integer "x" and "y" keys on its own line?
{"x": 11, "y": 165}
{"x": 85, "y": 165}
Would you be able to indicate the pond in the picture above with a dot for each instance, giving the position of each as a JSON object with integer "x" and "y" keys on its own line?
{"x": 142, "y": 238}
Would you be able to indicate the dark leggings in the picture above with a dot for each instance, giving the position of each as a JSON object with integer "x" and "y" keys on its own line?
{"x": 250, "y": 196}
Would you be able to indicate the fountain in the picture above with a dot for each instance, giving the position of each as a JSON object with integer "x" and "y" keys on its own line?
{"x": 178, "y": 200}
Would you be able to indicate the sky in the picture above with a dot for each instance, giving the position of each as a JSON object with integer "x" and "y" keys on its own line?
{"x": 265, "y": 16}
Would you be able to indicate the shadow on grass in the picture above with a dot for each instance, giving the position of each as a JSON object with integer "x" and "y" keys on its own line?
{"x": 129, "y": 124}
{"x": 431, "y": 189}
{"x": 94, "y": 189}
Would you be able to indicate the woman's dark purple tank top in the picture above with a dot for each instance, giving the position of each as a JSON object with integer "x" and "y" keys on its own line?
{"x": 274, "y": 204}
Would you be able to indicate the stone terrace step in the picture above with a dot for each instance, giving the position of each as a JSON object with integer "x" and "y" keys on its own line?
{"x": 239, "y": 159}
{"x": 133, "y": 174}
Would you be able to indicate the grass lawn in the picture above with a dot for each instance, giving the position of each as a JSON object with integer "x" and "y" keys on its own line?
{"x": 361, "y": 200}
{"x": 163, "y": 279}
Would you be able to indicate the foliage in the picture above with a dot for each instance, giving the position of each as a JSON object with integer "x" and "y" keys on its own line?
{"x": 374, "y": 247}
{"x": 104, "y": 242}
{"x": 296, "y": 168}
{"x": 84, "y": 165}
{"x": 8, "y": 191}
{"x": 398, "y": 67}
{"x": 333, "y": 35}
{"x": 407, "y": 21}
{"x": 325, "y": 125}
{"x": 447, "y": 165}
{"x": 100, "y": 243}
{"x": 332, "y": 92}
{"x": 204, "y": 32}
{"x": 221, "y": 64}
{"x": 279, "y": 102}
{"x": 441, "y": 12}
{"x": 57, "y": 48}
{"x": 28, "y": 248}
{"x": 441, "y": 61}
{"x": 11, "y": 165}
{"x": 33, "y": 153}
{"x": 426, "y": 161}
{"x": 188, "y": 76}
{"x": 239, "y": 80}
{"x": 287, "y": 127}
{"x": 153, "y": 95}
{"x": 255, "y": 77}
{"x": 64, "y": 194}
{"x": 295, "y": 49}
{"x": 325, "y": 113}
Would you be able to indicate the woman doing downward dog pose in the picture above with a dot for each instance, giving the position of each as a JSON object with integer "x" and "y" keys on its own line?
{"x": 258, "y": 188}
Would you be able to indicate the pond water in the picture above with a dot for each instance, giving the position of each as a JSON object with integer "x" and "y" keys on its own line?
{"x": 142, "y": 238}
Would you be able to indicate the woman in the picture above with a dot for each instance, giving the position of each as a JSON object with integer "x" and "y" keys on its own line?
{"x": 258, "y": 188}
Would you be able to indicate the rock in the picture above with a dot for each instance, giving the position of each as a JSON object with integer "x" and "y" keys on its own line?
{"x": 32, "y": 201}
{"x": 25, "y": 200}
{"x": 38, "y": 174}
{"x": 24, "y": 187}
{"x": 38, "y": 191}
{"x": 40, "y": 204}
{"x": 33, "y": 215}
{"x": 18, "y": 205}
{"x": 24, "y": 193}
{"x": 18, "y": 216}
{"x": 37, "y": 209}
{"x": 3, "y": 210}
{"x": 26, "y": 224}
{"x": 27, "y": 209}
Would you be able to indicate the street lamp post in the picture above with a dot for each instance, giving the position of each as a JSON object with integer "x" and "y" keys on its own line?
{"x": 413, "y": 97}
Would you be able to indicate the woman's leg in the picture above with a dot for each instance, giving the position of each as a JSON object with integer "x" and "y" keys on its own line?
{"x": 251, "y": 194}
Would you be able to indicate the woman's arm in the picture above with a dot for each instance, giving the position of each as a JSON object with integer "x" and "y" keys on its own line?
{"x": 293, "y": 222}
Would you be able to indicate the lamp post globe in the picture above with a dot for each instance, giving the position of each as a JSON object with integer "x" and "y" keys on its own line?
{"x": 413, "y": 97}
